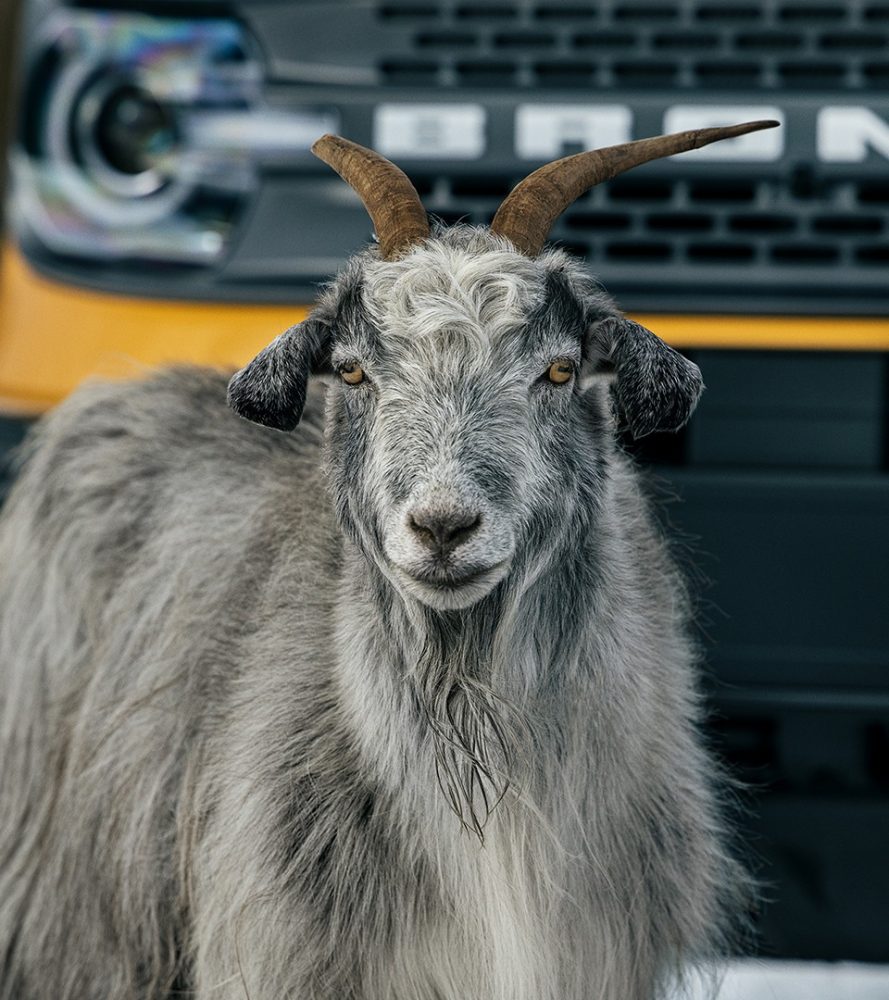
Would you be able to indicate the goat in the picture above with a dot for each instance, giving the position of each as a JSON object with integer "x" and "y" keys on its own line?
{"x": 397, "y": 707}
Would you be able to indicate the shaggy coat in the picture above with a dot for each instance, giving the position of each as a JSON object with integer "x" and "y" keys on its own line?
{"x": 258, "y": 745}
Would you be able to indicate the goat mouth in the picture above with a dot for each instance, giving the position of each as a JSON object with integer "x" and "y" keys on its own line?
{"x": 450, "y": 583}
{"x": 455, "y": 582}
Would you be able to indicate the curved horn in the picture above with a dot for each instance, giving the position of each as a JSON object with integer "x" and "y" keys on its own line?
{"x": 391, "y": 200}
{"x": 530, "y": 209}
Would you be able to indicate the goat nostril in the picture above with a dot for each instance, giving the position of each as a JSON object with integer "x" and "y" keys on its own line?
{"x": 423, "y": 531}
{"x": 460, "y": 531}
{"x": 443, "y": 532}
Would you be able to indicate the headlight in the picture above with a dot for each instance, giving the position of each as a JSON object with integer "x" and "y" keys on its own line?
{"x": 141, "y": 135}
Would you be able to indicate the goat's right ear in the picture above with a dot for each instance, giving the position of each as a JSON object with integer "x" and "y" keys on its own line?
{"x": 271, "y": 390}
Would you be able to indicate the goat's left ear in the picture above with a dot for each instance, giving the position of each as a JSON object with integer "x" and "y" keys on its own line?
{"x": 655, "y": 388}
{"x": 271, "y": 390}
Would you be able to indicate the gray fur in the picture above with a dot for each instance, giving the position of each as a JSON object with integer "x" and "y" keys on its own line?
{"x": 259, "y": 742}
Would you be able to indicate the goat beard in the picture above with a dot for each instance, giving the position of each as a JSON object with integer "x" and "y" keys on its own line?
{"x": 475, "y": 732}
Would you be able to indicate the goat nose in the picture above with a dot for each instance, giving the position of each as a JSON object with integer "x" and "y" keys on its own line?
{"x": 443, "y": 531}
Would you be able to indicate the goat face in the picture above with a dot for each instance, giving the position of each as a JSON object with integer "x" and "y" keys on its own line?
{"x": 460, "y": 436}
{"x": 463, "y": 426}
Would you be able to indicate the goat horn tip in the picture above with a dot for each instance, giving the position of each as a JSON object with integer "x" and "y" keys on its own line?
{"x": 742, "y": 128}
{"x": 325, "y": 141}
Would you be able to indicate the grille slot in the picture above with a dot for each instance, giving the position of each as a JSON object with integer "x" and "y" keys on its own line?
{"x": 409, "y": 12}
{"x": 599, "y": 221}
{"x": 873, "y": 254}
{"x": 648, "y": 14}
{"x": 852, "y": 41}
{"x": 480, "y": 187}
{"x": 424, "y": 186}
{"x": 445, "y": 40}
{"x": 645, "y": 73}
{"x": 729, "y": 14}
{"x": 635, "y": 190}
{"x": 680, "y": 222}
{"x": 805, "y": 253}
{"x": 815, "y": 74}
{"x": 846, "y": 225}
{"x": 410, "y": 72}
{"x": 728, "y": 74}
{"x": 484, "y": 73}
{"x": 605, "y": 40}
{"x": 765, "y": 223}
{"x": 564, "y": 74}
{"x": 708, "y": 192}
{"x": 877, "y": 74}
{"x": 873, "y": 193}
{"x": 485, "y": 12}
{"x": 569, "y": 14}
{"x": 811, "y": 13}
{"x": 579, "y": 249}
{"x": 524, "y": 40}
{"x": 685, "y": 41}
{"x": 721, "y": 253}
{"x": 769, "y": 41}
{"x": 639, "y": 251}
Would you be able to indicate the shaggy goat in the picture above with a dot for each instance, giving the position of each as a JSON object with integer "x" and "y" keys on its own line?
{"x": 398, "y": 707}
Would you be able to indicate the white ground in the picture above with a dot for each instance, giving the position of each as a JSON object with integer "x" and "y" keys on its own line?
{"x": 756, "y": 980}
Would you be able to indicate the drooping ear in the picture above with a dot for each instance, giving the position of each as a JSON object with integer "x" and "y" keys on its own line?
{"x": 655, "y": 388}
{"x": 271, "y": 390}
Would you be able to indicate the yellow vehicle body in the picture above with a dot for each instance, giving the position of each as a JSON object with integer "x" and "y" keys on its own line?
{"x": 54, "y": 335}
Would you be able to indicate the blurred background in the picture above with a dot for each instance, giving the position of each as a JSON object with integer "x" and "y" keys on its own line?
{"x": 162, "y": 205}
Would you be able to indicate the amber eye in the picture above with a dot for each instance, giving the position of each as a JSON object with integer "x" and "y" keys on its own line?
{"x": 352, "y": 374}
{"x": 560, "y": 371}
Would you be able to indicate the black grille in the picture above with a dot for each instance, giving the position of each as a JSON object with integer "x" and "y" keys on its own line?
{"x": 762, "y": 47}
{"x": 708, "y": 223}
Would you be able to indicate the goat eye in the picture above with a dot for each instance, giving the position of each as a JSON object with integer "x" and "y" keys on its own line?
{"x": 560, "y": 371}
{"x": 352, "y": 374}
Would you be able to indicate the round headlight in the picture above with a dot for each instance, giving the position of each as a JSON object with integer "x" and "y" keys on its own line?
{"x": 108, "y": 170}
{"x": 134, "y": 131}
{"x": 124, "y": 137}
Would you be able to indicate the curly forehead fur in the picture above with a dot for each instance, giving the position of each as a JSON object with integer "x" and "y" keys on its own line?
{"x": 464, "y": 280}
